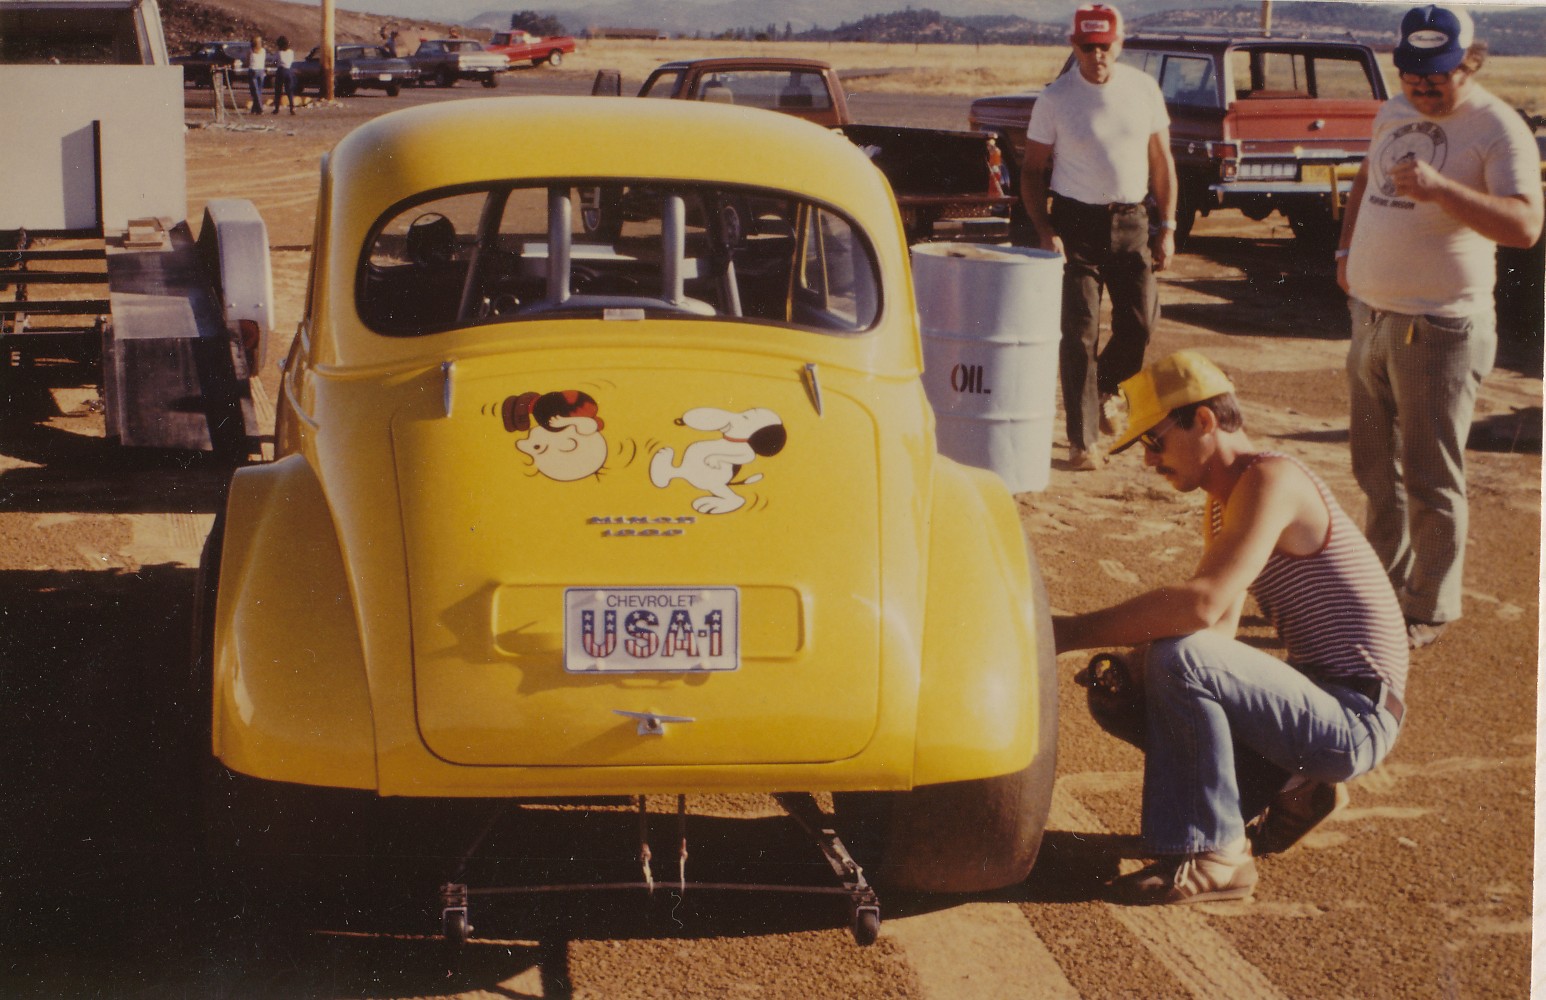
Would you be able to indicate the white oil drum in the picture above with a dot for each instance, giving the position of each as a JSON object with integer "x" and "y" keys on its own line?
{"x": 990, "y": 324}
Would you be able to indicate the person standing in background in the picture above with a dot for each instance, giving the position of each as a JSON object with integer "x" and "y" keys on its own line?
{"x": 1105, "y": 132}
{"x": 257, "y": 66}
{"x": 1452, "y": 171}
{"x": 284, "y": 74}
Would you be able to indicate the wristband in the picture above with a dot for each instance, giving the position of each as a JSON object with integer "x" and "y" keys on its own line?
{"x": 1341, "y": 254}
{"x": 1168, "y": 224}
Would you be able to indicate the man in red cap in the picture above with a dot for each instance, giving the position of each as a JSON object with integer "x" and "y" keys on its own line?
{"x": 1106, "y": 134}
{"x": 1451, "y": 172}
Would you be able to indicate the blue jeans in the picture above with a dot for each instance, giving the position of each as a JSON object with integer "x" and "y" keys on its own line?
{"x": 255, "y": 88}
{"x": 1206, "y": 696}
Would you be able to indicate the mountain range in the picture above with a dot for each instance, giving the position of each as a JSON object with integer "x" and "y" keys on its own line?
{"x": 708, "y": 16}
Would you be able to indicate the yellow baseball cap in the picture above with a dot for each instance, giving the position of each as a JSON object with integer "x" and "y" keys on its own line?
{"x": 1182, "y": 378}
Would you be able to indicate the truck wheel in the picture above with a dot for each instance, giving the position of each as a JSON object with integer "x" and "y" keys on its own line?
{"x": 555, "y": 59}
{"x": 344, "y": 87}
{"x": 962, "y": 836}
{"x": 393, "y": 89}
{"x": 1315, "y": 230}
{"x": 447, "y": 77}
{"x": 491, "y": 80}
{"x": 601, "y": 212}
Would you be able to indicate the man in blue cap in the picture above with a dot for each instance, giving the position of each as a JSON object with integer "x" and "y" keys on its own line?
{"x": 1452, "y": 171}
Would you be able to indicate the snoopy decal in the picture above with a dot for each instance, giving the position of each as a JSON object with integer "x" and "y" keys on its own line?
{"x": 563, "y": 433}
{"x": 712, "y": 465}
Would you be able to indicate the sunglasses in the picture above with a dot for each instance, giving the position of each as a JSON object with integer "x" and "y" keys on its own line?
{"x": 1433, "y": 79}
{"x": 1150, "y": 439}
{"x": 1088, "y": 47}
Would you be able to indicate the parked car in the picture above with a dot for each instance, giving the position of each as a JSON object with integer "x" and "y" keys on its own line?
{"x": 204, "y": 56}
{"x": 556, "y": 517}
{"x": 1257, "y": 123}
{"x": 522, "y": 46}
{"x": 355, "y": 67}
{"x": 444, "y": 61}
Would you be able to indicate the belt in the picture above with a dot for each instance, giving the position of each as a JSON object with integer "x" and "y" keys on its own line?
{"x": 1380, "y": 693}
{"x": 1110, "y": 207}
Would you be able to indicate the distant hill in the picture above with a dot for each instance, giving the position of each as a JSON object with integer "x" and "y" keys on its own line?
{"x": 187, "y": 22}
{"x": 1507, "y": 32}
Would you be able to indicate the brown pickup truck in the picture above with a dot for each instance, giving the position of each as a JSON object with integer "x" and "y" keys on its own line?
{"x": 1257, "y": 123}
{"x": 938, "y": 176}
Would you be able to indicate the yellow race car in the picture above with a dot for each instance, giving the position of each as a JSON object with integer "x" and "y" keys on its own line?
{"x": 555, "y": 517}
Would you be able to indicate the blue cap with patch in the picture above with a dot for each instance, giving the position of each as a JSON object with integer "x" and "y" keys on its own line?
{"x": 1434, "y": 39}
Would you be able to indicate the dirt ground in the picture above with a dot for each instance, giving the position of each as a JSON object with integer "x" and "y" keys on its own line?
{"x": 1422, "y": 888}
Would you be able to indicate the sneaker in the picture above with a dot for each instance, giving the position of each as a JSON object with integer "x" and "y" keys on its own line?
{"x": 1296, "y": 810}
{"x": 1188, "y": 878}
{"x": 1420, "y": 634}
{"x": 1085, "y": 460}
{"x": 1113, "y": 415}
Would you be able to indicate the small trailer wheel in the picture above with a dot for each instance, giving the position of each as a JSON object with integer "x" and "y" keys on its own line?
{"x": 866, "y": 925}
{"x": 455, "y": 927}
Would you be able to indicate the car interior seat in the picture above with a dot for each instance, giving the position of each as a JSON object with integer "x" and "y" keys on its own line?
{"x": 717, "y": 93}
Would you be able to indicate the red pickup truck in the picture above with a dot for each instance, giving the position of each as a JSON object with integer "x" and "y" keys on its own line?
{"x": 1257, "y": 123}
{"x": 522, "y": 46}
{"x": 935, "y": 174}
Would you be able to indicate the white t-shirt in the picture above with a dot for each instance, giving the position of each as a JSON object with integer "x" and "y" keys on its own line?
{"x": 286, "y": 58}
{"x": 1413, "y": 257}
{"x": 258, "y": 60}
{"x": 1099, "y": 133}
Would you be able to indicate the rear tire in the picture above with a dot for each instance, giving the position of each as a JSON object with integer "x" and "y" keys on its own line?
{"x": 962, "y": 836}
{"x": 393, "y": 89}
{"x": 491, "y": 81}
{"x": 446, "y": 78}
{"x": 555, "y": 59}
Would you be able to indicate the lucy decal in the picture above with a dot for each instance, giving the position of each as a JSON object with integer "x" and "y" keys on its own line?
{"x": 563, "y": 432}
{"x": 712, "y": 465}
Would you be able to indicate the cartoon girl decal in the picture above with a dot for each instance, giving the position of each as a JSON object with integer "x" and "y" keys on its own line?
{"x": 563, "y": 433}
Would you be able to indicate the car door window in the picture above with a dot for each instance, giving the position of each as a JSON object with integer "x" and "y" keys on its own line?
{"x": 1188, "y": 80}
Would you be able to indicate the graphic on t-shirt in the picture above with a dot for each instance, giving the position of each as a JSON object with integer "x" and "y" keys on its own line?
{"x": 1421, "y": 141}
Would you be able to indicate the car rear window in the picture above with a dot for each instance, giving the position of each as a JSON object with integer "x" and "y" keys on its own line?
{"x": 572, "y": 248}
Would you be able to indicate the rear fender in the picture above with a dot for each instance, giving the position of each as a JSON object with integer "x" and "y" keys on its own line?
{"x": 291, "y": 699}
{"x": 987, "y": 702}
{"x": 233, "y": 241}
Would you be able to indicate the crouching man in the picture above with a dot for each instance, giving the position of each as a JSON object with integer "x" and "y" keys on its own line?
{"x": 1210, "y": 701}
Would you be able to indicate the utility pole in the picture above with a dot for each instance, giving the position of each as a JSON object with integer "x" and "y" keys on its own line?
{"x": 1266, "y": 16}
{"x": 327, "y": 50}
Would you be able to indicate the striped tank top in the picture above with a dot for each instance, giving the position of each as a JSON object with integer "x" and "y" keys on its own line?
{"x": 1334, "y": 610}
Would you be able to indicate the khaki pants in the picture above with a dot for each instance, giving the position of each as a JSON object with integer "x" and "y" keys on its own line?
{"x": 1413, "y": 381}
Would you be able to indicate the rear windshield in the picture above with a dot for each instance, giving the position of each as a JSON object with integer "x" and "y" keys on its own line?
{"x": 567, "y": 248}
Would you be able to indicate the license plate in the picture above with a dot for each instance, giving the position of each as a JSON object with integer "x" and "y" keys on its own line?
{"x": 651, "y": 629}
{"x": 384, "y": 76}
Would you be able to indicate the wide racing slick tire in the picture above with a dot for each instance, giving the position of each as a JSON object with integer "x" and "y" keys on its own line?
{"x": 962, "y": 836}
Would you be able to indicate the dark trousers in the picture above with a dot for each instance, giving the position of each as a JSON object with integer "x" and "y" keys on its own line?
{"x": 284, "y": 86}
{"x": 1106, "y": 247}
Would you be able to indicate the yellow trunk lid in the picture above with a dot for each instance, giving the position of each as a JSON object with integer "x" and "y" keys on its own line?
{"x": 646, "y": 496}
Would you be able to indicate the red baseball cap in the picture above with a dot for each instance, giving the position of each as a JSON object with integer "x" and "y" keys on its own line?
{"x": 1097, "y": 24}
